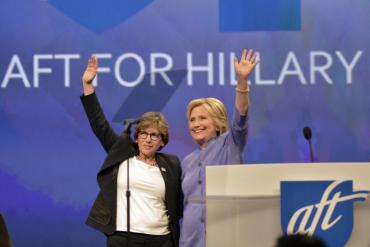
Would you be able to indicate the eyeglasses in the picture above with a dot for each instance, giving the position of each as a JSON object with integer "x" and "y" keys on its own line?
{"x": 153, "y": 136}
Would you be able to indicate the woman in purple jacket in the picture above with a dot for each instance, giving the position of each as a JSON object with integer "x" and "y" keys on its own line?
{"x": 217, "y": 144}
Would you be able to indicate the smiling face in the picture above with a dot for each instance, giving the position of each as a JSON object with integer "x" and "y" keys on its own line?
{"x": 147, "y": 146}
{"x": 201, "y": 125}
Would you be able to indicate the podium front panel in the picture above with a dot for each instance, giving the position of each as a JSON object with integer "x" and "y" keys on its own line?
{"x": 238, "y": 214}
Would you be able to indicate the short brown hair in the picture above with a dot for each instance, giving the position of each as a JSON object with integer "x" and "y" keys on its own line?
{"x": 217, "y": 110}
{"x": 155, "y": 120}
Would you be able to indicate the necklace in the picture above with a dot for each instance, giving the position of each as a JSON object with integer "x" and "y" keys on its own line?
{"x": 153, "y": 163}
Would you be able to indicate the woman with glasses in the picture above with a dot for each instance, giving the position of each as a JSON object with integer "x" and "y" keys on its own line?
{"x": 155, "y": 197}
{"x": 218, "y": 143}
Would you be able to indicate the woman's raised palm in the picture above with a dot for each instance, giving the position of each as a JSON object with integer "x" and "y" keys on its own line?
{"x": 91, "y": 70}
{"x": 245, "y": 66}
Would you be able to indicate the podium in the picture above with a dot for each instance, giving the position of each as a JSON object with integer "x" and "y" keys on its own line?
{"x": 243, "y": 201}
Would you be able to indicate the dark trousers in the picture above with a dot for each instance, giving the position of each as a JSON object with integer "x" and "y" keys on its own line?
{"x": 121, "y": 239}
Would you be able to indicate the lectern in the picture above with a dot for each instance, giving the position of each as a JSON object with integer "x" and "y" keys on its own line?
{"x": 243, "y": 201}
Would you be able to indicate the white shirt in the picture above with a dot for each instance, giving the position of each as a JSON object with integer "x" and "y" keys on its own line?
{"x": 148, "y": 213}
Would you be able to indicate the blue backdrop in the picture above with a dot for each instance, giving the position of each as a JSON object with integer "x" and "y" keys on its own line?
{"x": 158, "y": 55}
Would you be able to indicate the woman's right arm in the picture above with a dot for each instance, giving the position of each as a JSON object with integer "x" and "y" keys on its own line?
{"x": 95, "y": 114}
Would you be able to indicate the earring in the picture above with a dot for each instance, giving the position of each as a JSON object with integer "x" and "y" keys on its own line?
{"x": 218, "y": 132}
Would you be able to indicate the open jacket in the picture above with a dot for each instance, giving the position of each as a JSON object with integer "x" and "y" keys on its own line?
{"x": 119, "y": 148}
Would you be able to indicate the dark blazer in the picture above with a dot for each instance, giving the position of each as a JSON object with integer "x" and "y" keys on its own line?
{"x": 119, "y": 148}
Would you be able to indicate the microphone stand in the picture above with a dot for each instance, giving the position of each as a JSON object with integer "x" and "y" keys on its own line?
{"x": 127, "y": 130}
{"x": 311, "y": 152}
{"x": 128, "y": 194}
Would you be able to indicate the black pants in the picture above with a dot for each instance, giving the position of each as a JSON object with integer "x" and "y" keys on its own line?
{"x": 120, "y": 239}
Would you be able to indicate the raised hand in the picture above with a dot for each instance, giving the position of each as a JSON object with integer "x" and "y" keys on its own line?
{"x": 245, "y": 66}
{"x": 91, "y": 70}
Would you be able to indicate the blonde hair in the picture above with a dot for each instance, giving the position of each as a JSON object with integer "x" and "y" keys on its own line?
{"x": 217, "y": 110}
{"x": 155, "y": 120}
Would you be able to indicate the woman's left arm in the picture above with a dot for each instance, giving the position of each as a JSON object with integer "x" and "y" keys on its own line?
{"x": 239, "y": 125}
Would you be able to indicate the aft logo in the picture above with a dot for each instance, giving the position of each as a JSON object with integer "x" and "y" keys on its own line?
{"x": 320, "y": 208}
